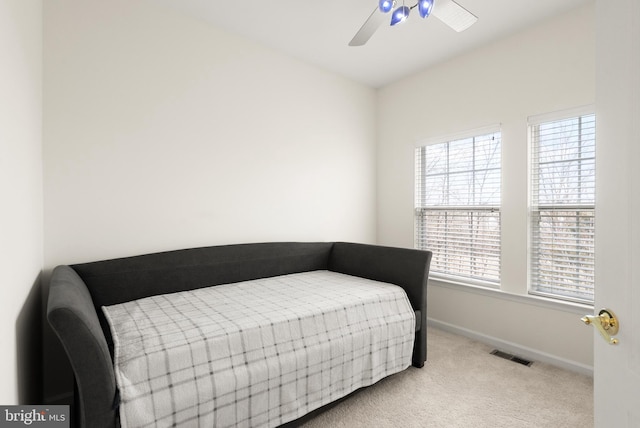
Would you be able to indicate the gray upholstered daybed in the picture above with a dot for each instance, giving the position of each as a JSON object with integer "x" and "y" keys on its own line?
{"x": 79, "y": 292}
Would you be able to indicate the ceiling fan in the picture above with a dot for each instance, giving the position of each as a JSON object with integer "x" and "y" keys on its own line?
{"x": 447, "y": 11}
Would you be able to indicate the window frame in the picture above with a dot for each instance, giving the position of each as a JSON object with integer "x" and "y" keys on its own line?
{"x": 534, "y": 207}
{"x": 472, "y": 134}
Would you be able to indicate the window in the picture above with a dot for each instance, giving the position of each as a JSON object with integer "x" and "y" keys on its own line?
{"x": 562, "y": 213}
{"x": 457, "y": 207}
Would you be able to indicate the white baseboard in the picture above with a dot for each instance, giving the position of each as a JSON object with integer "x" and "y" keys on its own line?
{"x": 514, "y": 348}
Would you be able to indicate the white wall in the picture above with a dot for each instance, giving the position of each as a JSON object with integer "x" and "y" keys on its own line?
{"x": 162, "y": 132}
{"x": 20, "y": 184}
{"x": 542, "y": 69}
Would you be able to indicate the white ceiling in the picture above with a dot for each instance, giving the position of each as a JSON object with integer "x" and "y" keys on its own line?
{"x": 318, "y": 32}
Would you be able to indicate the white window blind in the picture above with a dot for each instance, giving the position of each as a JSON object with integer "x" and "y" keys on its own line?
{"x": 457, "y": 207}
{"x": 563, "y": 208}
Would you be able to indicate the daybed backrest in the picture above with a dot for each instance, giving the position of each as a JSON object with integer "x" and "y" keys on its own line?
{"x": 130, "y": 278}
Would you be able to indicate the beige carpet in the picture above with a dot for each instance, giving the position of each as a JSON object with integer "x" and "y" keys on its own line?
{"x": 462, "y": 385}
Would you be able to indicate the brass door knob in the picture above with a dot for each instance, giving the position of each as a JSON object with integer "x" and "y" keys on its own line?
{"x": 607, "y": 324}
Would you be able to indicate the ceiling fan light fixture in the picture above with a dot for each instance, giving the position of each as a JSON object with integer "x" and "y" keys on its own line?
{"x": 448, "y": 11}
{"x": 385, "y": 6}
{"x": 400, "y": 15}
{"x": 425, "y": 7}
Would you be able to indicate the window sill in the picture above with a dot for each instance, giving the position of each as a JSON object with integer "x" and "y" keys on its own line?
{"x": 543, "y": 302}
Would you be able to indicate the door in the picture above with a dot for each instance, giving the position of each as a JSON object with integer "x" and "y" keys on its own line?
{"x": 617, "y": 367}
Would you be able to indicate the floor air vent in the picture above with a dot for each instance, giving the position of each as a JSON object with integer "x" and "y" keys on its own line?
{"x": 511, "y": 357}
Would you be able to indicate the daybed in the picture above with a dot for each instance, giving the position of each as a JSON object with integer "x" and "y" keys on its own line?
{"x": 78, "y": 293}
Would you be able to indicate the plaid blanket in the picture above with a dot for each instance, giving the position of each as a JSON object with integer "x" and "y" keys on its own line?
{"x": 258, "y": 353}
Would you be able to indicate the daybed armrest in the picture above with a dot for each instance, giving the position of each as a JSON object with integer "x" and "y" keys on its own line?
{"x": 73, "y": 317}
{"x": 407, "y": 268}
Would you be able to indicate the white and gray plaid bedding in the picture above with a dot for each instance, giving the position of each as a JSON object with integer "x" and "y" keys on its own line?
{"x": 257, "y": 353}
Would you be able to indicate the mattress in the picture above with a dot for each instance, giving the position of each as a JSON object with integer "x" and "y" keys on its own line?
{"x": 258, "y": 353}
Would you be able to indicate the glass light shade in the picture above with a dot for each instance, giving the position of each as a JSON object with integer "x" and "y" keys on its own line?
{"x": 424, "y": 7}
{"x": 400, "y": 14}
{"x": 385, "y": 5}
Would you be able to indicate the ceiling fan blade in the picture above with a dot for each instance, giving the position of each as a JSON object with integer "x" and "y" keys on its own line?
{"x": 368, "y": 28}
{"x": 454, "y": 15}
